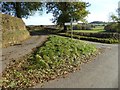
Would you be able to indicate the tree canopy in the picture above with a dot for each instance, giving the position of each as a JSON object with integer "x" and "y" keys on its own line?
{"x": 65, "y": 11}
{"x": 20, "y": 9}
{"x": 116, "y": 18}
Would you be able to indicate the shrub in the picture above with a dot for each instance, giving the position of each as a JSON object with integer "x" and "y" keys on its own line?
{"x": 77, "y": 27}
{"x": 113, "y": 27}
{"x": 88, "y": 27}
{"x": 82, "y": 27}
{"x": 32, "y": 28}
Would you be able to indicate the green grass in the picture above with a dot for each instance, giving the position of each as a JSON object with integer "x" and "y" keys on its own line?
{"x": 57, "y": 57}
{"x": 90, "y": 31}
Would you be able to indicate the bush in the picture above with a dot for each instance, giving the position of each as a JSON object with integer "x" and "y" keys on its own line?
{"x": 82, "y": 27}
{"x": 32, "y": 28}
{"x": 88, "y": 27}
{"x": 77, "y": 27}
{"x": 113, "y": 27}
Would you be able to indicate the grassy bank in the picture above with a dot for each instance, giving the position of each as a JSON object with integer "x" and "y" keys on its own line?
{"x": 57, "y": 57}
{"x": 14, "y": 37}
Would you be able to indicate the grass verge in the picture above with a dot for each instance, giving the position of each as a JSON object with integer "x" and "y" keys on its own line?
{"x": 57, "y": 57}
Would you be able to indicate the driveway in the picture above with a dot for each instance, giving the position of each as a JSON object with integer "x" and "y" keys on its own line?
{"x": 100, "y": 73}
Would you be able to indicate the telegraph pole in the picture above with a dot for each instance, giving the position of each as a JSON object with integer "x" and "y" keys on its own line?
{"x": 71, "y": 28}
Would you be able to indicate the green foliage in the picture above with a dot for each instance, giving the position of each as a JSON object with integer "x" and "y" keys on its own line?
{"x": 12, "y": 84}
{"x": 98, "y": 35}
{"x": 64, "y": 11}
{"x": 82, "y": 27}
{"x": 35, "y": 28}
{"x": 94, "y": 39}
{"x": 58, "y": 48}
{"x": 115, "y": 18}
{"x": 58, "y": 56}
{"x": 20, "y": 9}
{"x": 113, "y": 27}
{"x": 90, "y": 31}
{"x": 77, "y": 27}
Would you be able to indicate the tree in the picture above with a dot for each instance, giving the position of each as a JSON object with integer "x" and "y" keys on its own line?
{"x": 65, "y": 11}
{"x": 115, "y": 18}
{"x": 20, "y": 9}
{"x": 114, "y": 26}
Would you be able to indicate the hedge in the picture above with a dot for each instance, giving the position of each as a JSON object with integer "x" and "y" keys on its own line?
{"x": 101, "y": 40}
{"x": 98, "y": 35}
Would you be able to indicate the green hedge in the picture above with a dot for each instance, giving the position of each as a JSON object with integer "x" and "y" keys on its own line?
{"x": 101, "y": 40}
{"x": 98, "y": 35}
{"x": 82, "y": 27}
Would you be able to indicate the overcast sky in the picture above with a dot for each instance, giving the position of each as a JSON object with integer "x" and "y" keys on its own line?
{"x": 100, "y": 10}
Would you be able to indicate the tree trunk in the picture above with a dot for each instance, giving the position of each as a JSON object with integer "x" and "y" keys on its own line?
{"x": 17, "y": 6}
{"x": 65, "y": 28}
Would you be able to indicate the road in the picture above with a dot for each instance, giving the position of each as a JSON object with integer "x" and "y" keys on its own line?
{"x": 18, "y": 51}
{"x": 100, "y": 73}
